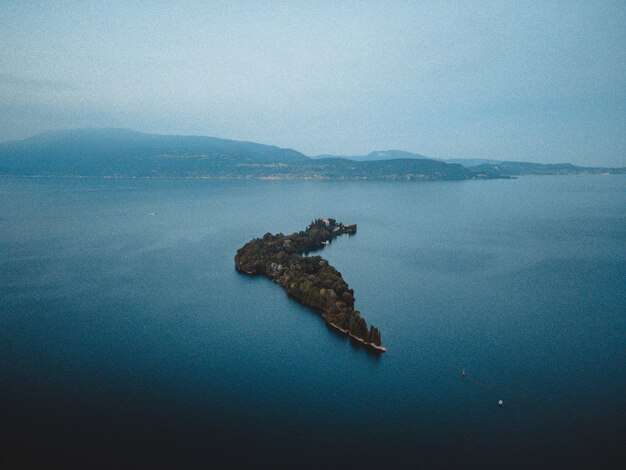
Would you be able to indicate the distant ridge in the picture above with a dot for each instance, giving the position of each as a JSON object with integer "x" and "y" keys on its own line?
{"x": 378, "y": 155}
{"x": 126, "y": 153}
{"x": 471, "y": 162}
{"x": 117, "y": 152}
{"x": 528, "y": 168}
{"x": 115, "y": 140}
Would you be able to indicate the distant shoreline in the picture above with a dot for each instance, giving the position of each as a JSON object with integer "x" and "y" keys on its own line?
{"x": 124, "y": 153}
{"x": 258, "y": 178}
{"x": 240, "y": 178}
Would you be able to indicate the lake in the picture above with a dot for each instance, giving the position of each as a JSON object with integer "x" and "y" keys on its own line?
{"x": 128, "y": 338}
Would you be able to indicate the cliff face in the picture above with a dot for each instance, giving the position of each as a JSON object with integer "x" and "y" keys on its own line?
{"x": 310, "y": 280}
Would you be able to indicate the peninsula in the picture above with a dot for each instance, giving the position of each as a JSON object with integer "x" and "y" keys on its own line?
{"x": 311, "y": 280}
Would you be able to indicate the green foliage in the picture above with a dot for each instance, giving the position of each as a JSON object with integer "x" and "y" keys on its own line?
{"x": 310, "y": 280}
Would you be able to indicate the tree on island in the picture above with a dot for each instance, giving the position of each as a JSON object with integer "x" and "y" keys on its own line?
{"x": 310, "y": 280}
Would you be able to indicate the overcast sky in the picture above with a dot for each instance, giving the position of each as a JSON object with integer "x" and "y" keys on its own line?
{"x": 537, "y": 81}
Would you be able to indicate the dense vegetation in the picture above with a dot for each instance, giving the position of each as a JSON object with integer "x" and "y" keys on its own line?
{"x": 309, "y": 279}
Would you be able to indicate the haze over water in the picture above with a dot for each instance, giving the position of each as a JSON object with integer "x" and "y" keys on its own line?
{"x": 127, "y": 335}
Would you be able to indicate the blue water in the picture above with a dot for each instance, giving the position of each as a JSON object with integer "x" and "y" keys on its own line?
{"x": 127, "y": 337}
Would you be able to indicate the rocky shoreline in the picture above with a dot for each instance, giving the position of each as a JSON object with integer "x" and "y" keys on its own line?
{"x": 311, "y": 280}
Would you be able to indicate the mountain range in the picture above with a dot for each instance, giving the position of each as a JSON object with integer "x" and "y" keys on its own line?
{"x": 126, "y": 153}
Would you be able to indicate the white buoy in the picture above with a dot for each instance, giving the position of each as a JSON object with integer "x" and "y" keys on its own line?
{"x": 500, "y": 403}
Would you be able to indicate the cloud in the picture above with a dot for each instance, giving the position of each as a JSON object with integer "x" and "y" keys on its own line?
{"x": 543, "y": 82}
{"x": 41, "y": 84}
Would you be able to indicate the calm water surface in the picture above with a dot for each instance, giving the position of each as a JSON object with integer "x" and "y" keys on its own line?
{"x": 127, "y": 337}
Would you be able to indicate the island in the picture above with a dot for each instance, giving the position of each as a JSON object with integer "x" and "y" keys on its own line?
{"x": 310, "y": 280}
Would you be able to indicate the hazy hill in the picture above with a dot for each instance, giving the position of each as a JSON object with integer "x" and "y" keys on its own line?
{"x": 125, "y": 152}
{"x": 472, "y": 162}
{"x": 378, "y": 155}
{"x": 398, "y": 169}
{"x": 500, "y": 168}
{"x": 528, "y": 168}
{"x": 481, "y": 167}
{"x": 122, "y": 152}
